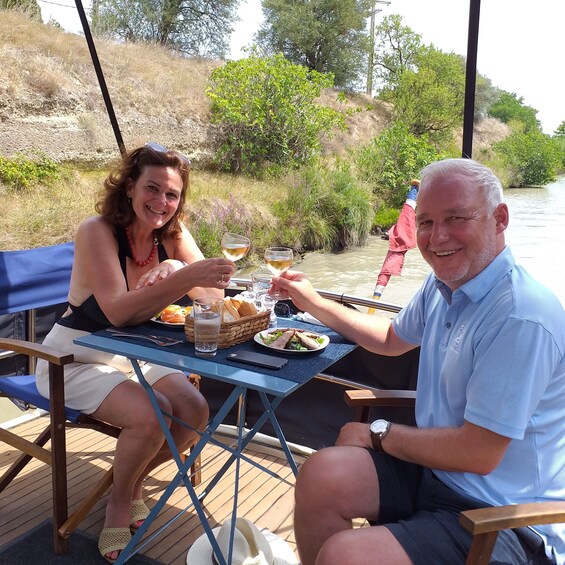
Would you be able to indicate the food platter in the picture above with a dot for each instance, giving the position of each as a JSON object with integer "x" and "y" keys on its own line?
{"x": 321, "y": 339}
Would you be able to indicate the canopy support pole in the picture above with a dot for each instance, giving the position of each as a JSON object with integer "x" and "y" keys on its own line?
{"x": 471, "y": 78}
{"x": 100, "y": 76}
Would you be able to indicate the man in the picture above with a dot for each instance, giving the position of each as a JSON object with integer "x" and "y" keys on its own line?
{"x": 490, "y": 407}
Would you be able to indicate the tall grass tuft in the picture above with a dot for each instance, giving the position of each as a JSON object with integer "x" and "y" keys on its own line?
{"x": 326, "y": 208}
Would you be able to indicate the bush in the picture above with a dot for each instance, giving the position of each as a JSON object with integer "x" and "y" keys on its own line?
{"x": 532, "y": 157}
{"x": 267, "y": 116}
{"x": 391, "y": 160}
{"x": 23, "y": 171}
{"x": 326, "y": 208}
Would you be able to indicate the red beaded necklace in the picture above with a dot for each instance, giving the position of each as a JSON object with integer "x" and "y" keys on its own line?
{"x": 134, "y": 257}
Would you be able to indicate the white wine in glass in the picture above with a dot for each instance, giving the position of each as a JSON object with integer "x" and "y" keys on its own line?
{"x": 234, "y": 246}
{"x": 279, "y": 260}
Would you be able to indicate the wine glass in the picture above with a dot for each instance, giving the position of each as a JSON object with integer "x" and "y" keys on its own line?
{"x": 234, "y": 246}
{"x": 279, "y": 260}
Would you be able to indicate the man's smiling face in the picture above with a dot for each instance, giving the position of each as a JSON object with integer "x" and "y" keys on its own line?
{"x": 457, "y": 234}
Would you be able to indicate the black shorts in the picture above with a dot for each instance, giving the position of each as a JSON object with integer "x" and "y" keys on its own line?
{"x": 423, "y": 515}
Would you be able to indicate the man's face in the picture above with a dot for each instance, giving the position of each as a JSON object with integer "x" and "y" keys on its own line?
{"x": 456, "y": 235}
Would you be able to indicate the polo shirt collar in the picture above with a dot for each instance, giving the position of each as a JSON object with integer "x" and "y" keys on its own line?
{"x": 478, "y": 287}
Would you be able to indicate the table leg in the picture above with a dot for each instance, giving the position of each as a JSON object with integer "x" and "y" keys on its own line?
{"x": 183, "y": 467}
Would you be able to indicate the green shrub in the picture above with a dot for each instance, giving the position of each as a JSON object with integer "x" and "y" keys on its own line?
{"x": 532, "y": 157}
{"x": 391, "y": 160}
{"x": 385, "y": 218}
{"x": 327, "y": 208}
{"x": 23, "y": 171}
{"x": 267, "y": 116}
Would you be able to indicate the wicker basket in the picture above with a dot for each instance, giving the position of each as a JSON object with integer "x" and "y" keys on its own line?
{"x": 233, "y": 333}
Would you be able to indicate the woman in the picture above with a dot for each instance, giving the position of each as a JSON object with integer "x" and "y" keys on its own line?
{"x": 131, "y": 261}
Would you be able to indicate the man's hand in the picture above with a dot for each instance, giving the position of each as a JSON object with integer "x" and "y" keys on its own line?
{"x": 356, "y": 434}
{"x": 297, "y": 287}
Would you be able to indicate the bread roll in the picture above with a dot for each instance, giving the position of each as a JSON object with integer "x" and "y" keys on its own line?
{"x": 229, "y": 311}
{"x": 247, "y": 309}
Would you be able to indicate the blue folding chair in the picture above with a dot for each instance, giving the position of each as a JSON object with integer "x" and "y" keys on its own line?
{"x": 29, "y": 280}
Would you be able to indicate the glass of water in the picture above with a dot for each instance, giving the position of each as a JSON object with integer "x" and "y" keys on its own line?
{"x": 207, "y": 319}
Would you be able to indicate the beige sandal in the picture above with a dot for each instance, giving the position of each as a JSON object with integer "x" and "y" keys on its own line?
{"x": 139, "y": 511}
{"x": 113, "y": 539}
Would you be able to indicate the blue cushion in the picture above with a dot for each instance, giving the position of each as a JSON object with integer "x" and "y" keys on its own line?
{"x": 24, "y": 388}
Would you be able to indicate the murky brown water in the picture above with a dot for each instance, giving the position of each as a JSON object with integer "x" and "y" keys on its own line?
{"x": 536, "y": 235}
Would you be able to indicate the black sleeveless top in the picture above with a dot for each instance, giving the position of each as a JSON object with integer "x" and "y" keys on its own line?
{"x": 88, "y": 316}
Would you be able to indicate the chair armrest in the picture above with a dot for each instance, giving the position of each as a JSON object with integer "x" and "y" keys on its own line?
{"x": 491, "y": 519}
{"x": 49, "y": 354}
{"x": 366, "y": 397}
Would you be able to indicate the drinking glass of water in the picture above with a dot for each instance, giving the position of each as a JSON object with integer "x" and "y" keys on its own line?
{"x": 207, "y": 319}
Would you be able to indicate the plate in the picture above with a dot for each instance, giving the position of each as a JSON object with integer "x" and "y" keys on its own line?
{"x": 171, "y": 324}
{"x": 323, "y": 345}
{"x": 184, "y": 309}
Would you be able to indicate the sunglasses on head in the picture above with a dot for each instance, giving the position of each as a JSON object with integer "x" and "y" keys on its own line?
{"x": 162, "y": 149}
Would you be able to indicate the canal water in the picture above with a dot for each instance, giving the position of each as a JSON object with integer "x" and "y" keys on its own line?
{"x": 536, "y": 234}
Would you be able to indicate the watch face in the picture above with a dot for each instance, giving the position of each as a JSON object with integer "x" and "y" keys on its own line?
{"x": 379, "y": 426}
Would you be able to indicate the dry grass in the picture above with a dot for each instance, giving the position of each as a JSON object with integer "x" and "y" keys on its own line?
{"x": 55, "y": 71}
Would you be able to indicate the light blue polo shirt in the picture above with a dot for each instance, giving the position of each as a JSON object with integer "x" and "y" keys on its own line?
{"x": 494, "y": 355}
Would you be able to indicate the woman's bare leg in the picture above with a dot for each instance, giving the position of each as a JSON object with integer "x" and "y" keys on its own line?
{"x": 187, "y": 404}
{"x": 128, "y": 407}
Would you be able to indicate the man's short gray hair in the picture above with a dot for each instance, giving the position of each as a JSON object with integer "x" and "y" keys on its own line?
{"x": 476, "y": 172}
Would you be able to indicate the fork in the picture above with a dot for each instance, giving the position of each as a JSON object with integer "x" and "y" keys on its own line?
{"x": 161, "y": 340}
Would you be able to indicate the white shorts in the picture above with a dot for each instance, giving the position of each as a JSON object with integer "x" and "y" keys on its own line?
{"x": 93, "y": 375}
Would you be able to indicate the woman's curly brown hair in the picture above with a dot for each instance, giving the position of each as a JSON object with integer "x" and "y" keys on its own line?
{"x": 114, "y": 204}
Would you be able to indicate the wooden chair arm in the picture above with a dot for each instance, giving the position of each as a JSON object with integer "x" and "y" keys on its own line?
{"x": 491, "y": 519}
{"x": 49, "y": 354}
{"x": 485, "y": 523}
{"x": 362, "y": 397}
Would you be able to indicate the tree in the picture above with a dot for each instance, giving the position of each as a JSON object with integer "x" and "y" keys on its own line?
{"x": 510, "y": 107}
{"x": 191, "y": 27}
{"x": 430, "y": 100}
{"x": 560, "y": 131}
{"x": 328, "y": 36}
{"x": 266, "y": 112}
{"x": 396, "y": 48}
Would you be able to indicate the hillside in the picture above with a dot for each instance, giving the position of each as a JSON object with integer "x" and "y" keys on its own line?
{"x": 50, "y": 99}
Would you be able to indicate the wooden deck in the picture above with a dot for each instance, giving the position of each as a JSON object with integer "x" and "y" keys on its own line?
{"x": 265, "y": 500}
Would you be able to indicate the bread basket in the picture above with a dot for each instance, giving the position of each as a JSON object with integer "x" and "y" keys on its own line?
{"x": 233, "y": 333}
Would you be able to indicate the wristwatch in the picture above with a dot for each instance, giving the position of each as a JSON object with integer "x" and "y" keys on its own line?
{"x": 379, "y": 429}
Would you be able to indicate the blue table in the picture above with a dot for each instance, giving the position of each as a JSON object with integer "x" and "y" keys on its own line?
{"x": 271, "y": 385}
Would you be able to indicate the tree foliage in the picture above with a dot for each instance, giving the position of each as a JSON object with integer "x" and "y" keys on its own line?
{"x": 328, "y": 36}
{"x": 430, "y": 100}
{"x": 267, "y": 114}
{"x": 191, "y": 27}
{"x": 395, "y": 51}
{"x": 510, "y": 107}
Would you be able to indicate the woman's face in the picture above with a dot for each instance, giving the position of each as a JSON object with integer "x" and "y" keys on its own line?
{"x": 155, "y": 196}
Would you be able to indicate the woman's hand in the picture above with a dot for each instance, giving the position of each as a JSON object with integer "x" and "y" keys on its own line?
{"x": 211, "y": 273}
{"x": 161, "y": 271}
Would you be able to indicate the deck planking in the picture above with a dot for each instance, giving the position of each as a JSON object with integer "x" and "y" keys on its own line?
{"x": 263, "y": 499}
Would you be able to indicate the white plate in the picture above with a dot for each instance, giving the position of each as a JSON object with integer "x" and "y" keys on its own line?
{"x": 172, "y": 324}
{"x": 323, "y": 345}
